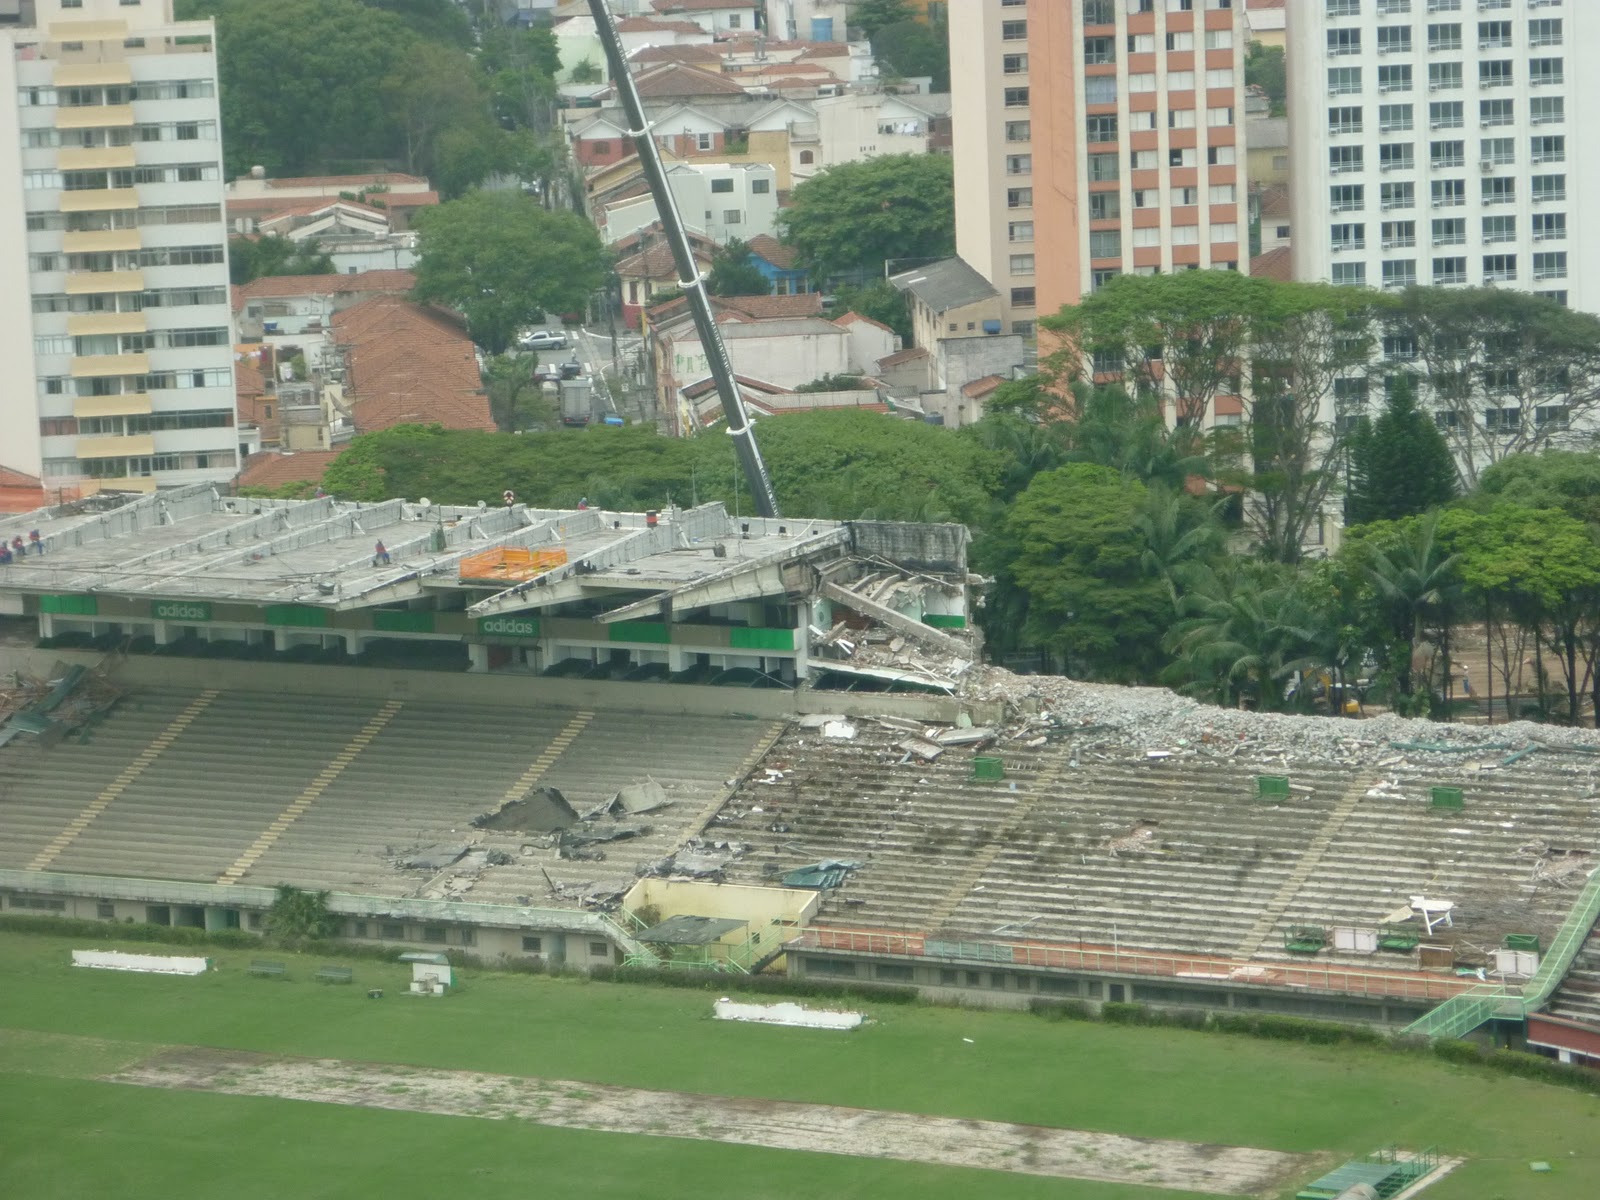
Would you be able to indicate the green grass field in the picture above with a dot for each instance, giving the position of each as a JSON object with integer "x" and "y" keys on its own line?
{"x": 64, "y": 1135}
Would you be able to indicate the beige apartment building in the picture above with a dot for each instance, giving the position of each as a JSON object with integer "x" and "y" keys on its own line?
{"x": 1096, "y": 138}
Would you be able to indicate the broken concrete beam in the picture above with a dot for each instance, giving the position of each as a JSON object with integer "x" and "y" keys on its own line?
{"x": 910, "y": 627}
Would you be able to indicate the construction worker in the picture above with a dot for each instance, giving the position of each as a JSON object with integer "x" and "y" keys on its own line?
{"x": 380, "y": 555}
{"x": 35, "y": 542}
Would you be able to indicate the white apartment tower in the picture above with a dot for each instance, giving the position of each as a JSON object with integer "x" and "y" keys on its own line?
{"x": 111, "y": 198}
{"x": 1439, "y": 142}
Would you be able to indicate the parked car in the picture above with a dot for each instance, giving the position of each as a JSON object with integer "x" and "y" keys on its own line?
{"x": 542, "y": 339}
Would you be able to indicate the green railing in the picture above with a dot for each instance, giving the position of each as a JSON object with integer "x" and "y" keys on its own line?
{"x": 1460, "y": 1015}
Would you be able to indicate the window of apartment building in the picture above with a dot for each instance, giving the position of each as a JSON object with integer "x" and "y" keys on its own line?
{"x": 1444, "y": 36}
{"x": 1495, "y": 72}
{"x": 1219, "y": 39}
{"x": 1222, "y": 233}
{"x": 1549, "y": 148}
{"x": 1014, "y": 64}
{"x": 1545, "y": 72}
{"x": 1102, "y": 89}
{"x": 1019, "y": 197}
{"x": 1399, "y": 272}
{"x": 1549, "y": 227}
{"x": 1141, "y": 43}
{"x": 1099, "y": 12}
{"x": 1141, "y": 160}
{"x": 1494, "y": 35}
{"x": 1344, "y": 160}
{"x": 1140, "y": 82}
{"x": 1447, "y": 154}
{"x": 1101, "y": 127}
{"x": 733, "y": 216}
{"x": 1549, "y": 187}
{"x": 1397, "y": 195}
{"x": 1105, "y": 168}
{"x": 1180, "y": 81}
{"x": 1394, "y": 39}
{"x": 1499, "y": 229}
{"x": 1180, "y": 118}
{"x": 1398, "y": 235}
{"x": 1147, "y": 236}
{"x": 1022, "y": 297}
{"x": 1022, "y": 231}
{"x": 1105, "y": 206}
{"x": 1346, "y": 237}
{"x": 1014, "y": 31}
{"x": 1344, "y": 41}
{"x": 722, "y": 185}
{"x": 1399, "y": 347}
{"x": 1449, "y": 231}
{"x": 1498, "y": 152}
{"x": 1222, "y": 156}
{"x": 1394, "y": 78}
{"x": 1146, "y": 197}
{"x": 1180, "y": 42}
{"x": 1547, "y": 110}
{"x": 1344, "y": 81}
{"x": 1394, "y": 118}
{"x": 1499, "y": 268}
{"x": 1185, "y": 197}
{"x": 1021, "y": 131}
{"x": 1098, "y": 51}
{"x": 1544, "y": 31}
{"x": 1444, "y": 77}
{"x": 1344, "y": 120}
{"x": 1181, "y": 156}
{"x": 1105, "y": 243}
{"x": 1021, "y": 164}
{"x": 1449, "y": 193}
{"x": 1101, "y": 276}
{"x": 1016, "y": 97}
{"x": 1347, "y": 197}
{"x": 1550, "y": 264}
{"x": 1499, "y": 191}
{"x": 1218, "y": 118}
{"x": 1349, "y": 274}
{"x": 760, "y": 187}
{"x": 1343, "y": 8}
{"x": 1185, "y": 235}
{"x": 1556, "y": 297}
{"x": 1226, "y": 193}
{"x": 1396, "y": 156}
{"x": 1496, "y": 112}
{"x": 1021, "y": 264}
{"x": 1449, "y": 271}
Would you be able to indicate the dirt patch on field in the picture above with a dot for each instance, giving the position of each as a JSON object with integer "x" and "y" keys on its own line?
{"x": 828, "y": 1129}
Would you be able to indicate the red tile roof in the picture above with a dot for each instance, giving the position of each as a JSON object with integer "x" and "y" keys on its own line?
{"x": 349, "y": 183}
{"x": 681, "y": 79}
{"x": 901, "y": 357}
{"x": 1274, "y": 264}
{"x": 854, "y": 318}
{"x": 694, "y": 52}
{"x": 979, "y": 388}
{"x": 655, "y": 25}
{"x": 670, "y": 6}
{"x": 277, "y": 287}
{"x": 407, "y": 364}
{"x": 774, "y": 251}
{"x": 745, "y": 308}
{"x": 274, "y": 469}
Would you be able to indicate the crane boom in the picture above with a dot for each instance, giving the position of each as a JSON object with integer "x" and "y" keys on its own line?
{"x": 689, "y": 279}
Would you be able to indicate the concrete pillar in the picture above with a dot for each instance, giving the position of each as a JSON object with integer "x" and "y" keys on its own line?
{"x": 47, "y": 625}
{"x": 163, "y": 633}
{"x": 677, "y": 659}
{"x": 352, "y": 643}
{"x": 477, "y": 657}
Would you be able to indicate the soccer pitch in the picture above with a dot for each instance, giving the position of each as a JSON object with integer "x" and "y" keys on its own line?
{"x": 66, "y": 1132}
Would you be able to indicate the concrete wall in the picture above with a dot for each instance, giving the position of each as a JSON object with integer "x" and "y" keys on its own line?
{"x": 499, "y": 690}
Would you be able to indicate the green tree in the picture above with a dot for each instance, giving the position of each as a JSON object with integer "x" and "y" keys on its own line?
{"x": 1071, "y": 549}
{"x": 734, "y": 273}
{"x": 850, "y": 219}
{"x": 1264, "y": 68}
{"x": 252, "y": 258}
{"x": 1568, "y": 480}
{"x": 1248, "y": 635}
{"x": 1400, "y": 464}
{"x": 442, "y": 22}
{"x": 301, "y": 916}
{"x": 520, "y": 66}
{"x": 869, "y": 16}
{"x": 879, "y": 300}
{"x": 302, "y": 82}
{"x": 1126, "y": 431}
{"x": 516, "y": 399}
{"x": 503, "y": 261}
{"x": 433, "y": 91}
{"x": 910, "y": 49}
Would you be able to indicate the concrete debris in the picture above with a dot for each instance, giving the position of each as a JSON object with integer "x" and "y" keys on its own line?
{"x": 635, "y": 799}
{"x": 543, "y": 810}
{"x": 920, "y": 749}
{"x": 964, "y": 737}
{"x": 839, "y": 731}
{"x": 818, "y": 720}
{"x": 432, "y": 858}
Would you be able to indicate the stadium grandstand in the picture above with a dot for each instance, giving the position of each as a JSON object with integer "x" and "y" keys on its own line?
{"x": 711, "y": 742}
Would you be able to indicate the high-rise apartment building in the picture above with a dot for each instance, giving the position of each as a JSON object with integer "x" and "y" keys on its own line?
{"x": 1096, "y": 138}
{"x": 1437, "y": 142}
{"x": 112, "y": 235}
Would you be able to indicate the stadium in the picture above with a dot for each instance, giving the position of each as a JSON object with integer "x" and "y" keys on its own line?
{"x": 701, "y": 742}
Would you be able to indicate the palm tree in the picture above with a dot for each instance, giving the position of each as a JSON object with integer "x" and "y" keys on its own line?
{"x": 1249, "y": 633}
{"x": 1177, "y": 532}
{"x": 1414, "y": 580}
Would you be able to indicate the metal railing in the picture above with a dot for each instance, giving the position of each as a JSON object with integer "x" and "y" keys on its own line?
{"x": 1332, "y": 979}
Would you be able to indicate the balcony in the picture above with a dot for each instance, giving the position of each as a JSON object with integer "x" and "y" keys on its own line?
{"x": 116, "y": 447}
{"x": 100, "y": 200}
{"x": 101, "y": 241}
{"x": 89, "y": 283}
{"x": 99, "y": 324}
{"x": 94, "y": 116}
{"x": 93, "y": 366}
{"x": 1449, "y": 278}
{"x": 128, "y": 404}
{"x": 95, "y": 158}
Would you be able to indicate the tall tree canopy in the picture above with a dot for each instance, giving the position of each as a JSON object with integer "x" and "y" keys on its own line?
{"x": 251, "y": 258}
{"x": 914, "y": 48}
{"x": 504, "y": 262}
{"x": 869, "y": 16}
{"x": 851, "y": 218}
{"x": 734, "y": 274}
{"x": 1400, "y": 465}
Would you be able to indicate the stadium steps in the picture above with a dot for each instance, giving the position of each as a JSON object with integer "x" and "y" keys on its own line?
{"x": 43, "y": 790}
{"x": 1578, "y": 997}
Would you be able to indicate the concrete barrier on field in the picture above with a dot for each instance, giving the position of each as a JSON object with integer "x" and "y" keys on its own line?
{"x": 159, "y": 964}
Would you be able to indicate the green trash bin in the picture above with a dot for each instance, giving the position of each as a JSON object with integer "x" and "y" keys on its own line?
{"x": 1271, "y": 786}
{"x": 988, "y": 768}
{"x": 1447, "y": 797}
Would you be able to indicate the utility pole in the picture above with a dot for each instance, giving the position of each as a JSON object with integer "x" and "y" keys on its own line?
{"x": 694, "y": 287}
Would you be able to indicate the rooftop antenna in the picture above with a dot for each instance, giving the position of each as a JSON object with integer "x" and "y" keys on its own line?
{"x": 689, "y": 277}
